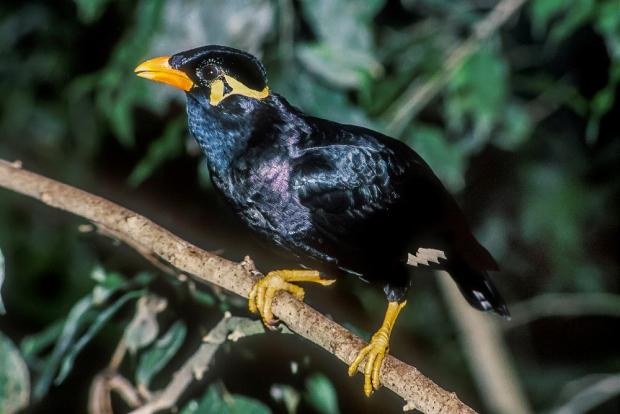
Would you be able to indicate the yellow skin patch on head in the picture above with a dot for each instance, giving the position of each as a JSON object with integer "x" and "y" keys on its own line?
{"x": 217, "y": 90}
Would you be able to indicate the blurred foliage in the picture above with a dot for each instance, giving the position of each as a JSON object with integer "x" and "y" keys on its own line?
{"x": 525, "y": 133}
{"x": 2, "y": 308}
{"x": 14, "y": 378}
{"x": 219, "y": 402}
{"x": 321, "y": 394}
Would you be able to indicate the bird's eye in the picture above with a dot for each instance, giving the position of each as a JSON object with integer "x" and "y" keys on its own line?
{"x": 209, "y": 72}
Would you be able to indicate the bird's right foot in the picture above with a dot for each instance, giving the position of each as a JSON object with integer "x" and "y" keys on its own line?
{"x": 264, "y": 290}
{"x": 375, "y": 351}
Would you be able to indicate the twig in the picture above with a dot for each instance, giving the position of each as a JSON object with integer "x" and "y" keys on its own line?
{"x": 489, "y": 359}
{"x": 100, "y": 394}
{"x": 564, "y": 304}
{"x": 118, "y": 355}
{"x": 415, "y": 98}
{"x": 417, "y": 390}
{"x": 197, "y": 364}
{"x": 592, "y": 396}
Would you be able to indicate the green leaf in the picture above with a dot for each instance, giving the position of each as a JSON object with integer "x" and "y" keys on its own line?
{"x": 109, "y": 280}
{"x": 142, "y": 279}
{"x": 200, "y": 296}
{"x": 600, "y": 105}
{"x": 157, "y": 356}
{"x": 318, "y": 99}
{"x": 446, "y": 159}
{"x": 477, "y": 91}
{"x": 14, "y": 378}
{"x": 90, "y": 10}
{"x": 117, "y": 89}
{"x": 578, "y": 14}
{"x": 118, "y": 108}
{"x": 168, "y": 146}
{"x": 31, "y": 346}
{"x": 608, "y": 21}
{"x": 516, "y": 128}
{"x": 321, "y": 394}
{"x": 213, "y": 402}
{"x": 342, "y": 23}
{"x": 344, "y": 52}
{"x": 2, "y": 308}
{"x": 101, "y": 319}
{"x": 543, "y": 11}
{"x": 77, "y": 317}
{"x": 344, "y": 69}
{"x": 563, "y": 17}
{"x": 107, "y": 284}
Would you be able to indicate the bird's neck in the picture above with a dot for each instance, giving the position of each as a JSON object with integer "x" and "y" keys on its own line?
{"x": 221, "y": 132}
{"x": 238, "y": 125}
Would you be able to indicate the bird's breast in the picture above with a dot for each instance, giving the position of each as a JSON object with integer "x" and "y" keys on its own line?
{"x": 262, "y": 197}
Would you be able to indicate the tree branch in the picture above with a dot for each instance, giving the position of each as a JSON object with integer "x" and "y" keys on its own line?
{"x": 585, "y": 398}
{"x": 418, "y": 391}
{"x": 564, "y": 305}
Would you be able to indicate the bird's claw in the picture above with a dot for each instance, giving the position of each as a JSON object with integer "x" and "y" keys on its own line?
{"x": 264, "y": 290}
{"x": 374, "y": 353}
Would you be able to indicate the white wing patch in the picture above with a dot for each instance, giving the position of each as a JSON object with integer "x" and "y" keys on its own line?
{"x": 423, "y": 256}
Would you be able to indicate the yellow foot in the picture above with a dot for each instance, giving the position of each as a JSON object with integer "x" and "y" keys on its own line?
{"x": 375, "y": 351}
{"x": 263, "y": 292}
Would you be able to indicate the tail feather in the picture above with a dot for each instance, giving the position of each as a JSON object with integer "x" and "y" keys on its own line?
{"x": 479, "y": 290}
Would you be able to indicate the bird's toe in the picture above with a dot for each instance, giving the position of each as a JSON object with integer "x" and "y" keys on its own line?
{"x": 264, "y": 291}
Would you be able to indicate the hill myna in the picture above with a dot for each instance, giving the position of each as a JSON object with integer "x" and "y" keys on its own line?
{"x": 353, "y": 199}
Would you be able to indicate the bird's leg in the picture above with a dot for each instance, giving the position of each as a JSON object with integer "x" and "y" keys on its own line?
{"x": 375, "y": 351}
{"x": 264, "y": 290}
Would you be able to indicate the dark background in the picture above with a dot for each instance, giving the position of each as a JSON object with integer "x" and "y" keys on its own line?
{"x": 525, "y": 133}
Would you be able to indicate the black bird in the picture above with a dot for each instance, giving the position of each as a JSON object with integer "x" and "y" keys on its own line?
{"x": 350, "y": 197}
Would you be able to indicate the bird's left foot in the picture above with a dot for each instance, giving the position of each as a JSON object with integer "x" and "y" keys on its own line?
{"x": 375, "y": 351}
{"x": 263, "y": 292}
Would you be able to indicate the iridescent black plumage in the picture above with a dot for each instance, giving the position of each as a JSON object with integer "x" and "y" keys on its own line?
{"x": 344, "y": 195}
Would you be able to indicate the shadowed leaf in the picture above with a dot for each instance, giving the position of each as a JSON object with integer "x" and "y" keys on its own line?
{"x": 14, "y": 378}
{"x": 93, "y": 329}
{"x": 168, "y": 146}
{"x": 157, "y": 356}
{"x": 445, "y": 158}
{"x": 321, "y": 394}
{"x": 90, "y": 10}
{"x": 2, "y": 308}
{"x": 77, "y": 316}
{"x": 215, "y": 402}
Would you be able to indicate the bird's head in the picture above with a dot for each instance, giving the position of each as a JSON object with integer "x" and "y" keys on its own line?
{"x": 211, "y": 73}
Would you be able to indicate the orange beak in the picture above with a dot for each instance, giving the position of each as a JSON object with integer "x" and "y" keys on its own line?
{"x": 158, "y": 69}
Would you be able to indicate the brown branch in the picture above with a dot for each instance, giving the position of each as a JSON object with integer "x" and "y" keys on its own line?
{"x": 564, "y": 305}
{"x": 417, "y": 390}
{"x": 100, "y": 393}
